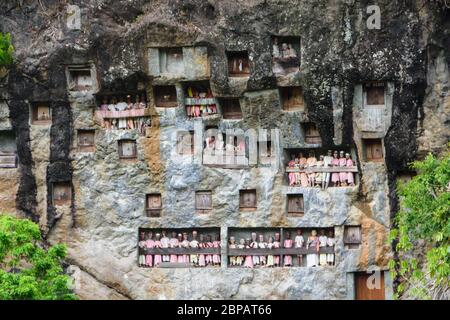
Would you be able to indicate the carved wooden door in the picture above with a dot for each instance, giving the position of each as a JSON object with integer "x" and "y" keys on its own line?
{"x": 369, "y": 286}
{"x": 203, "y": 200}
{"x": 295, "y": 204}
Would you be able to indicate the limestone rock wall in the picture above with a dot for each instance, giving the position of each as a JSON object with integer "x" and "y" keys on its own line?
{"x": 338, "y": 53}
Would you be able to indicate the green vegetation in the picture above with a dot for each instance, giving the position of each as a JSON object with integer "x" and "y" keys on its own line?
{"x": 424, "y": 223}
{"x": 6, "y": 50}
{"x": 27, "y": 270}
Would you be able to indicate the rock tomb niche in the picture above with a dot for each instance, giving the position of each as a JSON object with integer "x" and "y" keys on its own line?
{"x": 40, "y": 113}
{"x": 123, "y": 110}
{"x": 292, "y": 98}
{"x": 285, "y": 54}
{"x": 238, "y": 64}
{"x": 81, "y": 78}
{"x": 8, "y": 149}
{"x": 321, "y": 168}
{"x": 179, "y": 248}
{"x": 199, "y": 100}
{"x": 280, "y": 247}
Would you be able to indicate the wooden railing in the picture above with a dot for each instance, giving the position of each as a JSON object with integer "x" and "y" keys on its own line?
{"x": 323, "y": 169}
{"x": 199, "y": 101}
{"x": 134, "y": 113}
{"x": 179, "y": 251}
{"x": 278, "y": 251}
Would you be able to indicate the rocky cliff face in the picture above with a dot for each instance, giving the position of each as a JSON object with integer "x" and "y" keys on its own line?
{"x": 338, "y": 54}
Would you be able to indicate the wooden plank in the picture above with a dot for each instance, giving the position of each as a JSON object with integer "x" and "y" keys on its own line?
{"x": 174, "y": 265}
{"x": 277, "y": 252}
{"x": 179, "y": 251}
{"x": 8, "y": 161}
{"x": 323, "y": 169}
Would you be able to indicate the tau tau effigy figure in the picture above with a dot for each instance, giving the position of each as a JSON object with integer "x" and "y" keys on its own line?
{"x": 141, "y": 249}
{"x": 232, "y": 245}
{"x": 311, "y": 162}
{"x": 275, "y": 48}
{"x": 342, "y": 175}
{"x": 165, "y": 244}
{"x": 201, "y": 257}
{"x": 335, "y": 164}
{"x": 254, "y": 245}
{"x": 158, "y": 258}
{"x": 299, "y": 242}
{"x": 349, "y": 163}
{"x": 312, "y": 259}
{"x": 327, "y": 162}
{"x": 149, "y": 244}
{"x": 322, "y": 244}
{"x": 270, "y": 258}
{"x": 262, "y": 245}
{"x": 248, "y": 263}
{"x": 288, "y": 243}
{"x": 173, "y": 243}
{"x": 209, "y": 244}
{"x": 277, "y": 245}
{"x": 180, "y": 257}
{"x": 185, "y": 244}
{"x": 319, "y": 175}
{"x": 104, "y": 105}
{"x": 216, "y": 257}
{"x": 194, "y": 244}
{"x": 240, "y": 259}
{"x": 330, "y": 243}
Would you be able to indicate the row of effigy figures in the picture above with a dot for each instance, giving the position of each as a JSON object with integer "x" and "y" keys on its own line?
{"x": 274, "y": 242}
{"x": 181, "y": 240}
{"x": 322, "y": 179}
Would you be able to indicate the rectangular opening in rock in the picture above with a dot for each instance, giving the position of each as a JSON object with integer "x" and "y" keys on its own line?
{"x": 127, "y": 149}
{"x": 62, "y": 194}
{"x": 312, "y": 135}
{"x": 292, "y": 98}
{"x": 281, "y": 247}
{"x": 352, "y": 237}
{"x": 238, "y": 64}
{"x": 41, "y": 113}
{"x": 199, "y": 99}
{"x": 374, "y": 94}
{"x": 171, "y": 61}
{"x": 86, "y": 140}
{"x": 231, "y": 108}
{"x": 203, "y": 201}
{"x": 153, "y": 205}
{"x": 80, "y": 78}
{"x": 373, "y": 150}
{"x": 165, "y": 96}
{"x": 8, "y": 149}
{"x": 265, "y": 152}
{"x": 247, "y": 199}
{"x": 123, "y": 110}
{"x": 295, "y": 204}
{"x": 321, "y": 167}
{"x": 285, "y": 54}
{"x": 185, "y": 142}
{"x": 179, "y": 247}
